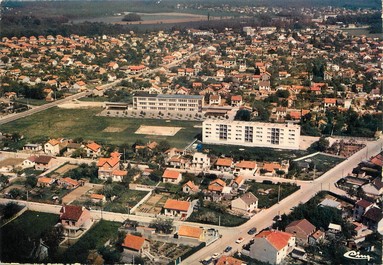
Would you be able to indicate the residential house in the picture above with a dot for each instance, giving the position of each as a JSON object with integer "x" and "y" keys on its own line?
{"x": 180, "y": 209}
{"x": 316, "y": 238}
{"x": 374, "y": 189}
{"x": 248, "y": 202}
{"x": 360, "y": 208}
{"x": 29, "y": 162}
{"x": 93, "y": 150}
{"x": 236, "y": 100}
{"x": 272, "y": 246}
{"x": 31, "y": 148}
{"x": 215, "y": 99}
{"x": 72, "y": 147}
{"x": 333, "y": 230}
{"x": 330, "y": 203}
{"x": 191, "y": 232}
{"x": 171, "y": 176}
{"x": 118, "y": 175}
{"x": 329, "y": 102}
{"x": 301, "y": 229}
{"x": 74, "y": 219}
{"x": 68, "y": 183}
{"x": 97, "y": 198}
{"x": 135, "y": 244}
{"x": 53, "y": 147}
{"x": 201, "y": 161}
{"x": 238, "y": 182}
{"x": 246, "y": 168}
{"x": 106, "y": 166}
{"x": 45, "y": 182}
{"x": 216, "y": 186}
{"x": 373, "y": 219}
{"x": 43, "y": 162}
{"x": 190, "y": 188}
{"x": 270, "y": 169}
{"x": 224, "y": 164}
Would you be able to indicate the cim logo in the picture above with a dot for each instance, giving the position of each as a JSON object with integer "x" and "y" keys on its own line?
{"x": 356, "y": 255}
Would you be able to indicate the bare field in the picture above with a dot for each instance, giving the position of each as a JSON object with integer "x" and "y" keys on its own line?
{"x": 158, "y": 130}
{"x": 111, "y": 129}
{"x": 64, "y": 169}
{"x": 10, "y": 162}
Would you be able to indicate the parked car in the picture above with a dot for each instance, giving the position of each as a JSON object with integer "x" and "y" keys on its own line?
{"x": 239, "y": 240}
{"x": 252, "y": 231}
{"x": 227, "y": 249}
{"x": 215, "y": 255}
{"x": 207, "y": 261}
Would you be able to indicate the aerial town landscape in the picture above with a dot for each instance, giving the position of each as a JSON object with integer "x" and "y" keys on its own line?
{"x": 191, "y": 132}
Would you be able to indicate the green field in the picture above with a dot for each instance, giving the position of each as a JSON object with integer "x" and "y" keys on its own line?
{"x": 74, "y": 123}
{"x": 125, "y": 201}
{"x": 93, "y": 239}
{"x": 267, "y": 194}
{"x": 17, "y": 236}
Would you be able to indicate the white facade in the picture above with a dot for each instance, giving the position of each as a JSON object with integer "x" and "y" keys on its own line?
{"x": 260, "y": 134}
{"x": 189, "y": 103}
{"x": 201, "y": 161}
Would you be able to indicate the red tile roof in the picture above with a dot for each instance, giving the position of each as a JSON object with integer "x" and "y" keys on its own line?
{"x": 93, "y": 146}
{"x": 177, "y": 205}
{"x": 246, "y": 164}
{"x": 171, "y": 174}
{"x": 304, "y": 225}
{"x": 225, "y": 260}
{"x": 190, "y": 231}
{"x": 71, "y": 212}
{"x": 277, "y": 239}
{"x": 226, "y": 162}
{"x": 133, "y": 242}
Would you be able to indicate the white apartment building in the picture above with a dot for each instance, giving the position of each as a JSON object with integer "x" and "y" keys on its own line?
{"x": 161, "y": 102}
{"x": 260, "y": 134}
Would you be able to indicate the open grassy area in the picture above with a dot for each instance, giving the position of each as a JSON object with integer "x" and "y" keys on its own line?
{"x": 17, "y": 236}
{"x": 267, "y": 194}
{"x": 210, "y": 216}
{"x": 73, "y": 123}
{"x": 93, "y": 239}
{"x": 253, "y": 153}
{"x": 31, "y": 101}
{"x": 126, "y": 200}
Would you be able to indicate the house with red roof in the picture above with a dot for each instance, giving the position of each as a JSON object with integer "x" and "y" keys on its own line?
{"x": 45, "y": 182}
{"x": 272, "y": 246}
{"x": 191, "y": 232}
{"x": 190, "y": 188}
{"x": 171, "y": 176}
{"x": 75, "y": 219}
{"x": 68, "y": 183}
{"x": 216, "y": 186}
{"x": 224, "y": 164}
{"x": 236, "y": 100}
{"x": 106, "y": 166}
{"x": 135, "y": 244}
{"x": 179, "y": 209}
{"x": 360, "y": 208}
{"x": 245, "y": 168}
{"x": 53, "y": 146}
{"x": 227, "y": 260}
{"x": 301, "y": 229}
{"x": 93, "y": 150}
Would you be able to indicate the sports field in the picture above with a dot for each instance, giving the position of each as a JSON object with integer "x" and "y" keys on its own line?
{"x": 74, "y": 123}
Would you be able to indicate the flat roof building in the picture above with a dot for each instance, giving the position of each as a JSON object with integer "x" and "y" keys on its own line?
{"x": 256, "y": 134}
{"x": 162, "y": 102}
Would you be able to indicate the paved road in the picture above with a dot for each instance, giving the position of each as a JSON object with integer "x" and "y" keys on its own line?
{"x": 15, "y": 116}
{"x": 265, "y": 218}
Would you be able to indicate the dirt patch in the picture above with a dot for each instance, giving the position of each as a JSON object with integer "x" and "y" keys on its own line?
{"x": 62, "y": 170}
{"x": 10, "y": 162}
{"x": 158, "y": 130}
{"x": 111, "y": 129}
{"x": 75, "y": 194}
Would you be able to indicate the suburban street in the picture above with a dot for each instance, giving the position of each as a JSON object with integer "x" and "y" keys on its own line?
{"x": 261, "y": 220}
{"x": 265, "y": 218}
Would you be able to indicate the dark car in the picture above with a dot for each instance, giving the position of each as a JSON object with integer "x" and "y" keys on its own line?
{"x": 252, "y": 231}
{"x": 228, "y": 248}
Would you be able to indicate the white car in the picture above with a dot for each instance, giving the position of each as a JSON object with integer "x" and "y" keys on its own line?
{"x": 215, "y": 255}
{"x": 239, "y": 240}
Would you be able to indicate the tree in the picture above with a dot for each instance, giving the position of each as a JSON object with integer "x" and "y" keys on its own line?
{"x": 132, "y": 17}
{"x": 31, "y": 181}
{"x": 282, "y": 93}
{"x": 163, "y": 146}
{"x": 242, "y": 115}
{"x": 10, "y": 210}
{"x": 162, "y": 225}
{"x": 53, "y": 238}
{"x": 321, "y": 145}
